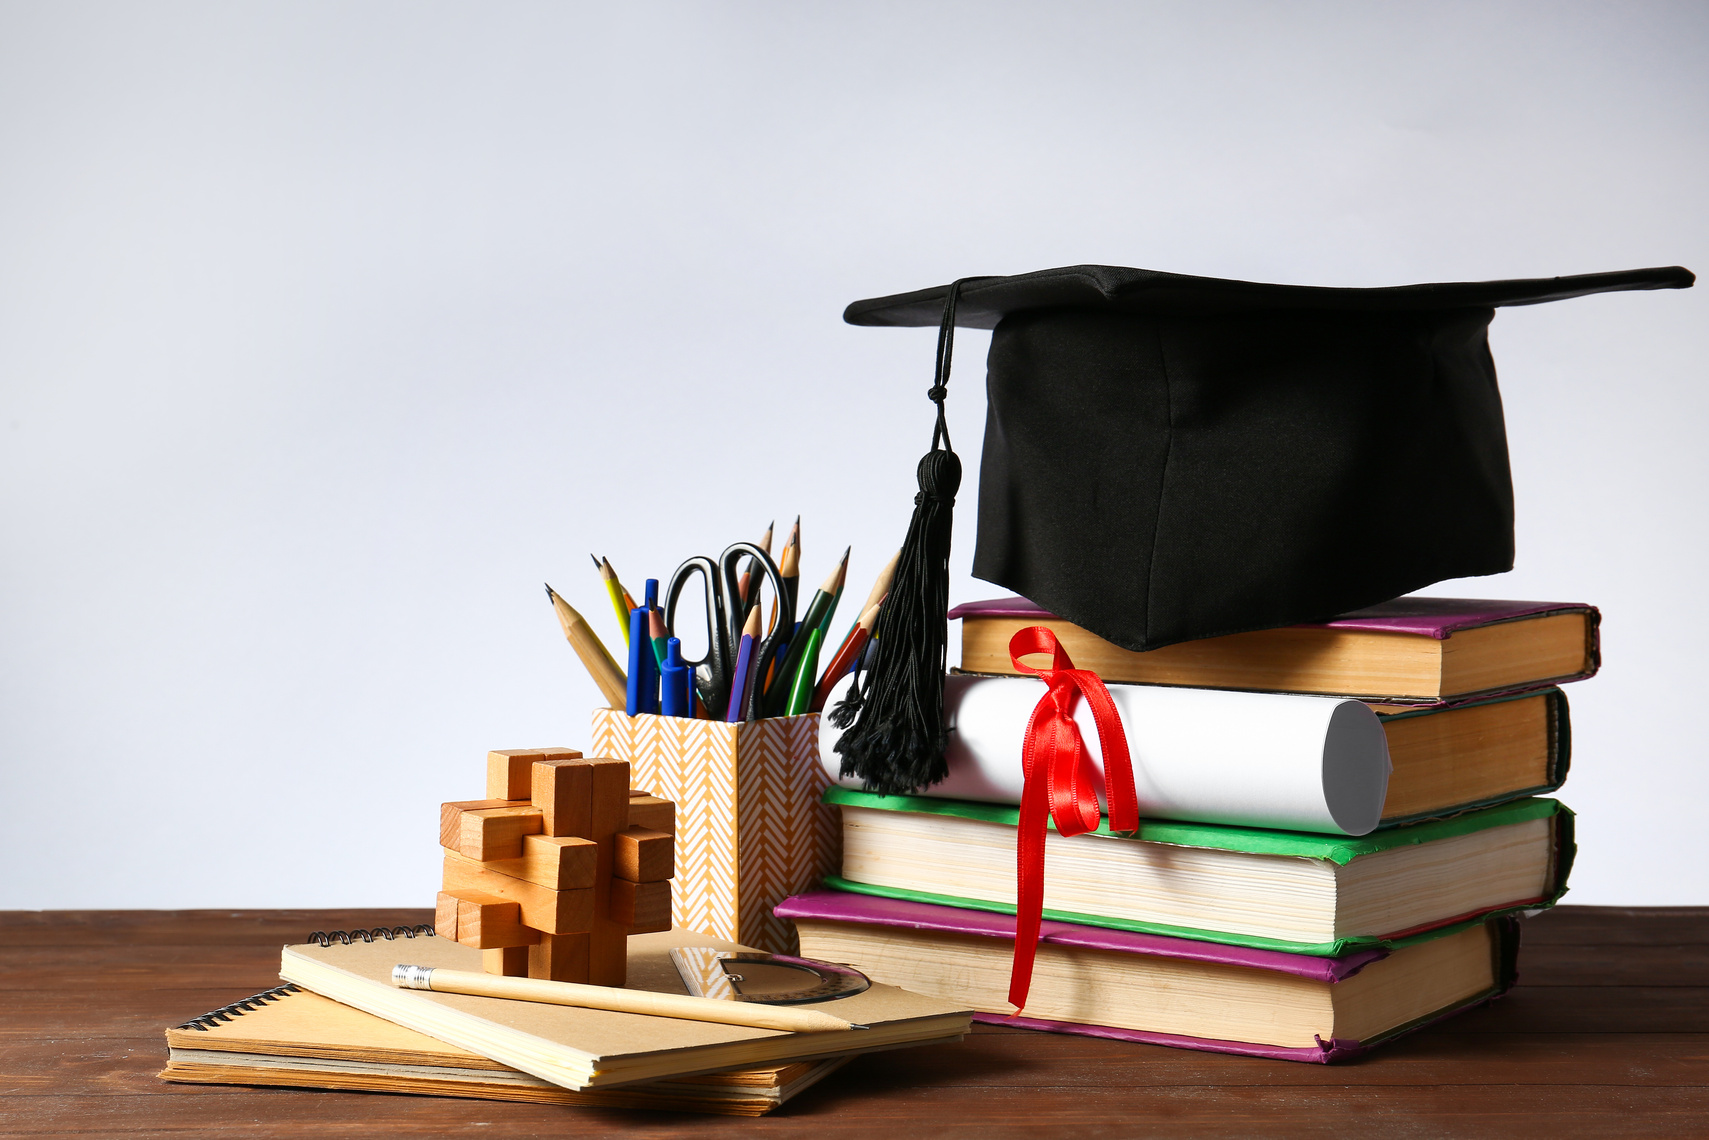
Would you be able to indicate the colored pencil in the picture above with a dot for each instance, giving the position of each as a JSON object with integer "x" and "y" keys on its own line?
{"x": 751, "y": 568}
{"x": 608, "y": 578}
{"x": 777, "y": 695}
{"x": 881, "y": 585}
{"x": 847, "y": 654}
{"x": 628, "y": 599}
{"x": 591, "y": 650}
{"x": 789, "y": 567}
{"x": 741, "y": 680}
{"x": 658, "y": 634}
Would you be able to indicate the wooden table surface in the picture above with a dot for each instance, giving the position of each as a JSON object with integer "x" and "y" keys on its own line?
{"x": 1607, "y": 1034}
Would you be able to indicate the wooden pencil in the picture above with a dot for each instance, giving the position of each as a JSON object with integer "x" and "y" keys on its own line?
{"x": 591, "y": 650}
{"x": 620, "y": 600}
{"x": 658, "y": 633}
{"x": 747, "y": 595}
{"x": 682, "y": 1006}
{"x": 783, "y": 678}
{"x": 846, "y": 656}
{"x": 789, "y": 569}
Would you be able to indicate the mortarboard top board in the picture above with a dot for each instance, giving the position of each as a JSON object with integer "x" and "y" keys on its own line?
{"x": 1170, "y": 457}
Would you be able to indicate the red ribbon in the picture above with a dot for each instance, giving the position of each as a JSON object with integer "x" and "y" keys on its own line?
{"x": 1060, "y": 783}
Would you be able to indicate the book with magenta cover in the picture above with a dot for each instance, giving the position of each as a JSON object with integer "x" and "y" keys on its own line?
{"x": 1160, "y": 990}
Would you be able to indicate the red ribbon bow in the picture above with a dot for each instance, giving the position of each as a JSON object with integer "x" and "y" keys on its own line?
{"x": 1060, "y": 777}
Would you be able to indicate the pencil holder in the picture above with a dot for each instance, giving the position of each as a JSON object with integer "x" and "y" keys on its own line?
{"x": 750, "y": 828}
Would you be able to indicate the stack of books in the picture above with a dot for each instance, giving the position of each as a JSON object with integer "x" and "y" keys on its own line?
{"x": 1247, "y": 939}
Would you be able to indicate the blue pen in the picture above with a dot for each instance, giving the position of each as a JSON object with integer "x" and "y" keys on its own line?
{"x": 643, "y": 691}
{"x": 675, "y": 696}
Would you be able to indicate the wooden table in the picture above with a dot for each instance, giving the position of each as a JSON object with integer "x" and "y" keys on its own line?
{"x": 1606, "y": 1035}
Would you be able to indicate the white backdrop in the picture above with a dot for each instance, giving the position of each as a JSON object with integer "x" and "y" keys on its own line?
{"x": 329, "y": 331}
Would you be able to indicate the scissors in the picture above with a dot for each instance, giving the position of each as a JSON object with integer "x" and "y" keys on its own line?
{"x": 725, "y": 614}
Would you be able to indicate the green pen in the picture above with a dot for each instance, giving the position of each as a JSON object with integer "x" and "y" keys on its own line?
{"x": 801, "y": 689}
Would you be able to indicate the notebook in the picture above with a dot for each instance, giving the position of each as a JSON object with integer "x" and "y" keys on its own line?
{"x": 594, "y": 1048}
{"x": 288, "y": 1036}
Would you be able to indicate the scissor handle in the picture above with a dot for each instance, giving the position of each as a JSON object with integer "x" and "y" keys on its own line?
{"x": 766, "y": 650}
{"x": 711, "y": 672}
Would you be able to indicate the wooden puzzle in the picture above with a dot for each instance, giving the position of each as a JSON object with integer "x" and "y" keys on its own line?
{"x": 550, "y": 874}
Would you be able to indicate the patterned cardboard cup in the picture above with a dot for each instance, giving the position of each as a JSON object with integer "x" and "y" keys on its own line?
{"x": 750, "y": 827}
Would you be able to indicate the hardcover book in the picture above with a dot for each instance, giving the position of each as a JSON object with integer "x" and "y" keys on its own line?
{"x": 1164, "y": 991}
{"x": 1323, "y": 895}
{"x": 1413, "y": 650}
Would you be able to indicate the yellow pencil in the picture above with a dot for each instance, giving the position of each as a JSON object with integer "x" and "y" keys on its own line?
{"x": 618, "y": 596}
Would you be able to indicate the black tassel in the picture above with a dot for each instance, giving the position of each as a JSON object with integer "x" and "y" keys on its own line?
{"x": 894, "y": 710}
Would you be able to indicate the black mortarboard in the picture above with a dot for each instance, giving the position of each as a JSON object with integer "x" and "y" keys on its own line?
{"x": 1170, "y": 457}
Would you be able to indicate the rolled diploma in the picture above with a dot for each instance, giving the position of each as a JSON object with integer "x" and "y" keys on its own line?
{"x": 1254, "y": 759}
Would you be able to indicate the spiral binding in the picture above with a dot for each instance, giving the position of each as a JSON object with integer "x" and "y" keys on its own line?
{"x": 346, "y": 937}
{"x": 237, "y": 1008}
{"x": 319, "y": 938}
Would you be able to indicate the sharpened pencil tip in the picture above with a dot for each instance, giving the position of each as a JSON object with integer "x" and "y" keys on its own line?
{"x": 595, "y": 562}
{"x": 550, "y": 593}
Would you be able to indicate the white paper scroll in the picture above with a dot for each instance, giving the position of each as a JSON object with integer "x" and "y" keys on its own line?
{"x": 1257, "y": 759}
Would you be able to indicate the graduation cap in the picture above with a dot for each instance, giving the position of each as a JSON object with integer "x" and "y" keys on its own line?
{"x": 1170, "y": 457}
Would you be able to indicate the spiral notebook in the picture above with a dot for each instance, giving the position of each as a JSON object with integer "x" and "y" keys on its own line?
{"x": 290, "y": 1037}
{"x": 581, "y": 1048}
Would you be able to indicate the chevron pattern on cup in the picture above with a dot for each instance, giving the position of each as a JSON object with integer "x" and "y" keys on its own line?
{"x": 750, "y": 830}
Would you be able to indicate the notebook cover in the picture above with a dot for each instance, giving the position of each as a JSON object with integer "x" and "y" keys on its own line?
{"x": 583, "y": 1048}
{"x": 836, "y": 906}
{"x": 303, "y": 1040}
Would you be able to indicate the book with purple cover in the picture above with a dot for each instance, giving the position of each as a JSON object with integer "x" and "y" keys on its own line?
{"x": 1419, "y": 652}
{"x": 1159, "y": 990}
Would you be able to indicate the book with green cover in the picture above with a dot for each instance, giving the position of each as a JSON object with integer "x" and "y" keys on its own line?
{"x": 1302, "y": 893}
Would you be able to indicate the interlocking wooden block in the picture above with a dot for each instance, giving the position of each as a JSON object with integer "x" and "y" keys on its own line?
{"x": 482, "y": 921}
{"x": 451, "y": 817}
{"x": 546, "y": 910}
{"x": 644, "y": 855}
{"x": 562, "y": 790}
{"x": 508, "y": 777}
{"x": 559, "y": 957}
{"x": 563, "y": 863}
{"x": 574, "y": 868}
{"x": 445, "y": 915}
{"x": 496, "y": 833}
{"x": 641, "y": 908}
{"x": 511, "y": 961}
{"x": 653, "y": 813}
{"x": 608, "y": 813}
